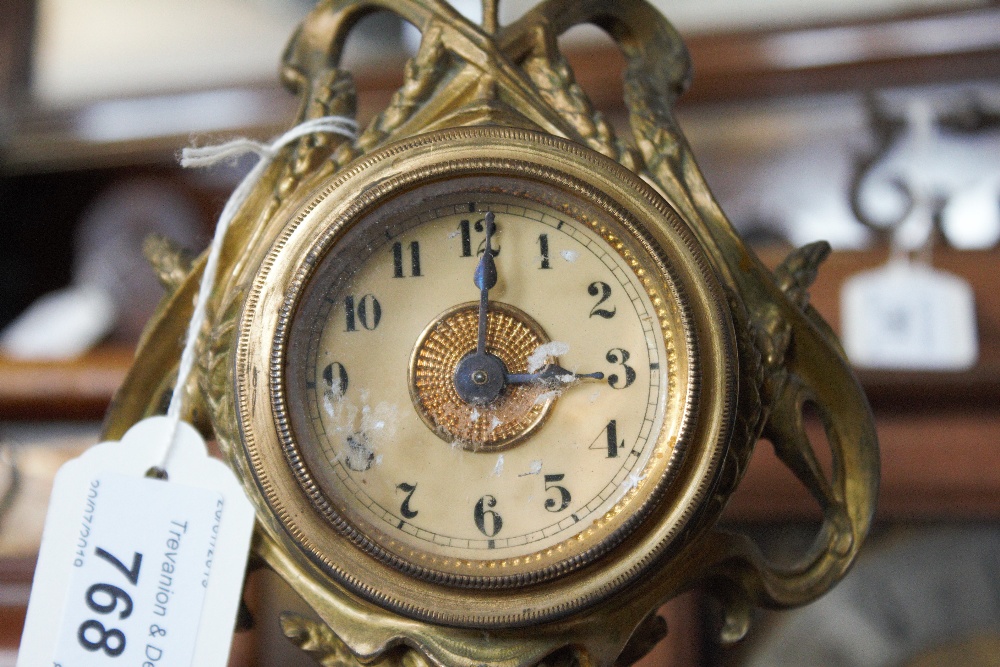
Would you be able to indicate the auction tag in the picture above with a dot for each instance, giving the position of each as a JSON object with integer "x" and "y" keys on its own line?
{"x": 911, "y": 317}
{"x": 134, "y": 570}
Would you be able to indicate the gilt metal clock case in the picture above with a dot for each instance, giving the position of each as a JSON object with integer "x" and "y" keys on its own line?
{"x": 365, "y": 439}
{"x": 491, "y": 370}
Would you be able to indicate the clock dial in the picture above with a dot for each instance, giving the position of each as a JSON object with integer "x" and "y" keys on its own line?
{"x": 576, "y": 344}
{"x": 483, "y": 378}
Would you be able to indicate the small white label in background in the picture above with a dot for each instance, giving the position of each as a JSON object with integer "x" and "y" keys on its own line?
{"x": 139, "y": 571}
{"x": 909, "y": 317}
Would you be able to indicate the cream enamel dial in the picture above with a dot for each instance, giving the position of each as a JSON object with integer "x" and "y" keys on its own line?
{"x": 483, "y": 378}
{"x": 392, "y": 310}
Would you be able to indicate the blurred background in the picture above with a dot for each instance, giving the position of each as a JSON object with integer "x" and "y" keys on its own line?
{"x": 874, "y": 124}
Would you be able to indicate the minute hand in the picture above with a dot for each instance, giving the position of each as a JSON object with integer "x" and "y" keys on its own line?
{"x": 551, "y": 374}
{"x": 485, "y": 278}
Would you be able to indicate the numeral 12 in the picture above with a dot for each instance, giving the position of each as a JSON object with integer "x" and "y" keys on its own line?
{"x": 465, "y": 227}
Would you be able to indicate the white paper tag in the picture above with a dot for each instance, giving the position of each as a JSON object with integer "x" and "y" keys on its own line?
{"x": 910, "y": 317}
{"x": 139, "y": 571}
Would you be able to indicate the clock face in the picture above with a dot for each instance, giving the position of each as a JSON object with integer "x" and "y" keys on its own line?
{"x": 429, "y": 473}
{"x": 486, "y": 378}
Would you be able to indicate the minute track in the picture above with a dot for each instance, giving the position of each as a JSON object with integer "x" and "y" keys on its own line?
{"x": 586, "y": 244}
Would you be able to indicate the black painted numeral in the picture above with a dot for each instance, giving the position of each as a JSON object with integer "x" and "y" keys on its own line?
{"x": 619, "y": 356}
{"x": 543, "y": 245}
{"x": 466, "y": 227}
{"x": 551, "y": 504}
{"x": 404, "y": 508}
{"x": 397, "y": 260}
{"x": 335, "y": 376}
{"x": 367, "y": 312}
{"x": 608, "y": 440}
{"x": 488, "y": 521}
{"x": 604, "y": 290}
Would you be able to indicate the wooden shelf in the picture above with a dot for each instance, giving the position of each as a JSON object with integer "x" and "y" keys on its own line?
{"x": 860, "y": 56}
{"x": 728, "y": 67}
{"x": 78, "y": 389}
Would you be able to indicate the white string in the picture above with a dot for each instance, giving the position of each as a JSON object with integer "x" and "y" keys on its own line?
{"x": 207, "y": 156}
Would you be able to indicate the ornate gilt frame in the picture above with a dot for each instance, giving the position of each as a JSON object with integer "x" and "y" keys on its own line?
{"x": 786, "y": 355}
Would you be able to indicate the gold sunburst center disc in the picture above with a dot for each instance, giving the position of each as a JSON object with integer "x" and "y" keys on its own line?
{"x": 511, "y": 336}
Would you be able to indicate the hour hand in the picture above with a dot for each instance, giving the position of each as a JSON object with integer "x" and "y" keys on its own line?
{"x": 551, "y": 374}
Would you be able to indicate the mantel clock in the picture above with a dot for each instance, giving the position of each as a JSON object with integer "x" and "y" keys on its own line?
{"x": 490, "y": 371}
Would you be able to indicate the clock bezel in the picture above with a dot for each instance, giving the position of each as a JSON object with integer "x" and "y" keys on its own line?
{"x": 677, "y": 383}
{"x": 535, "y": 594}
